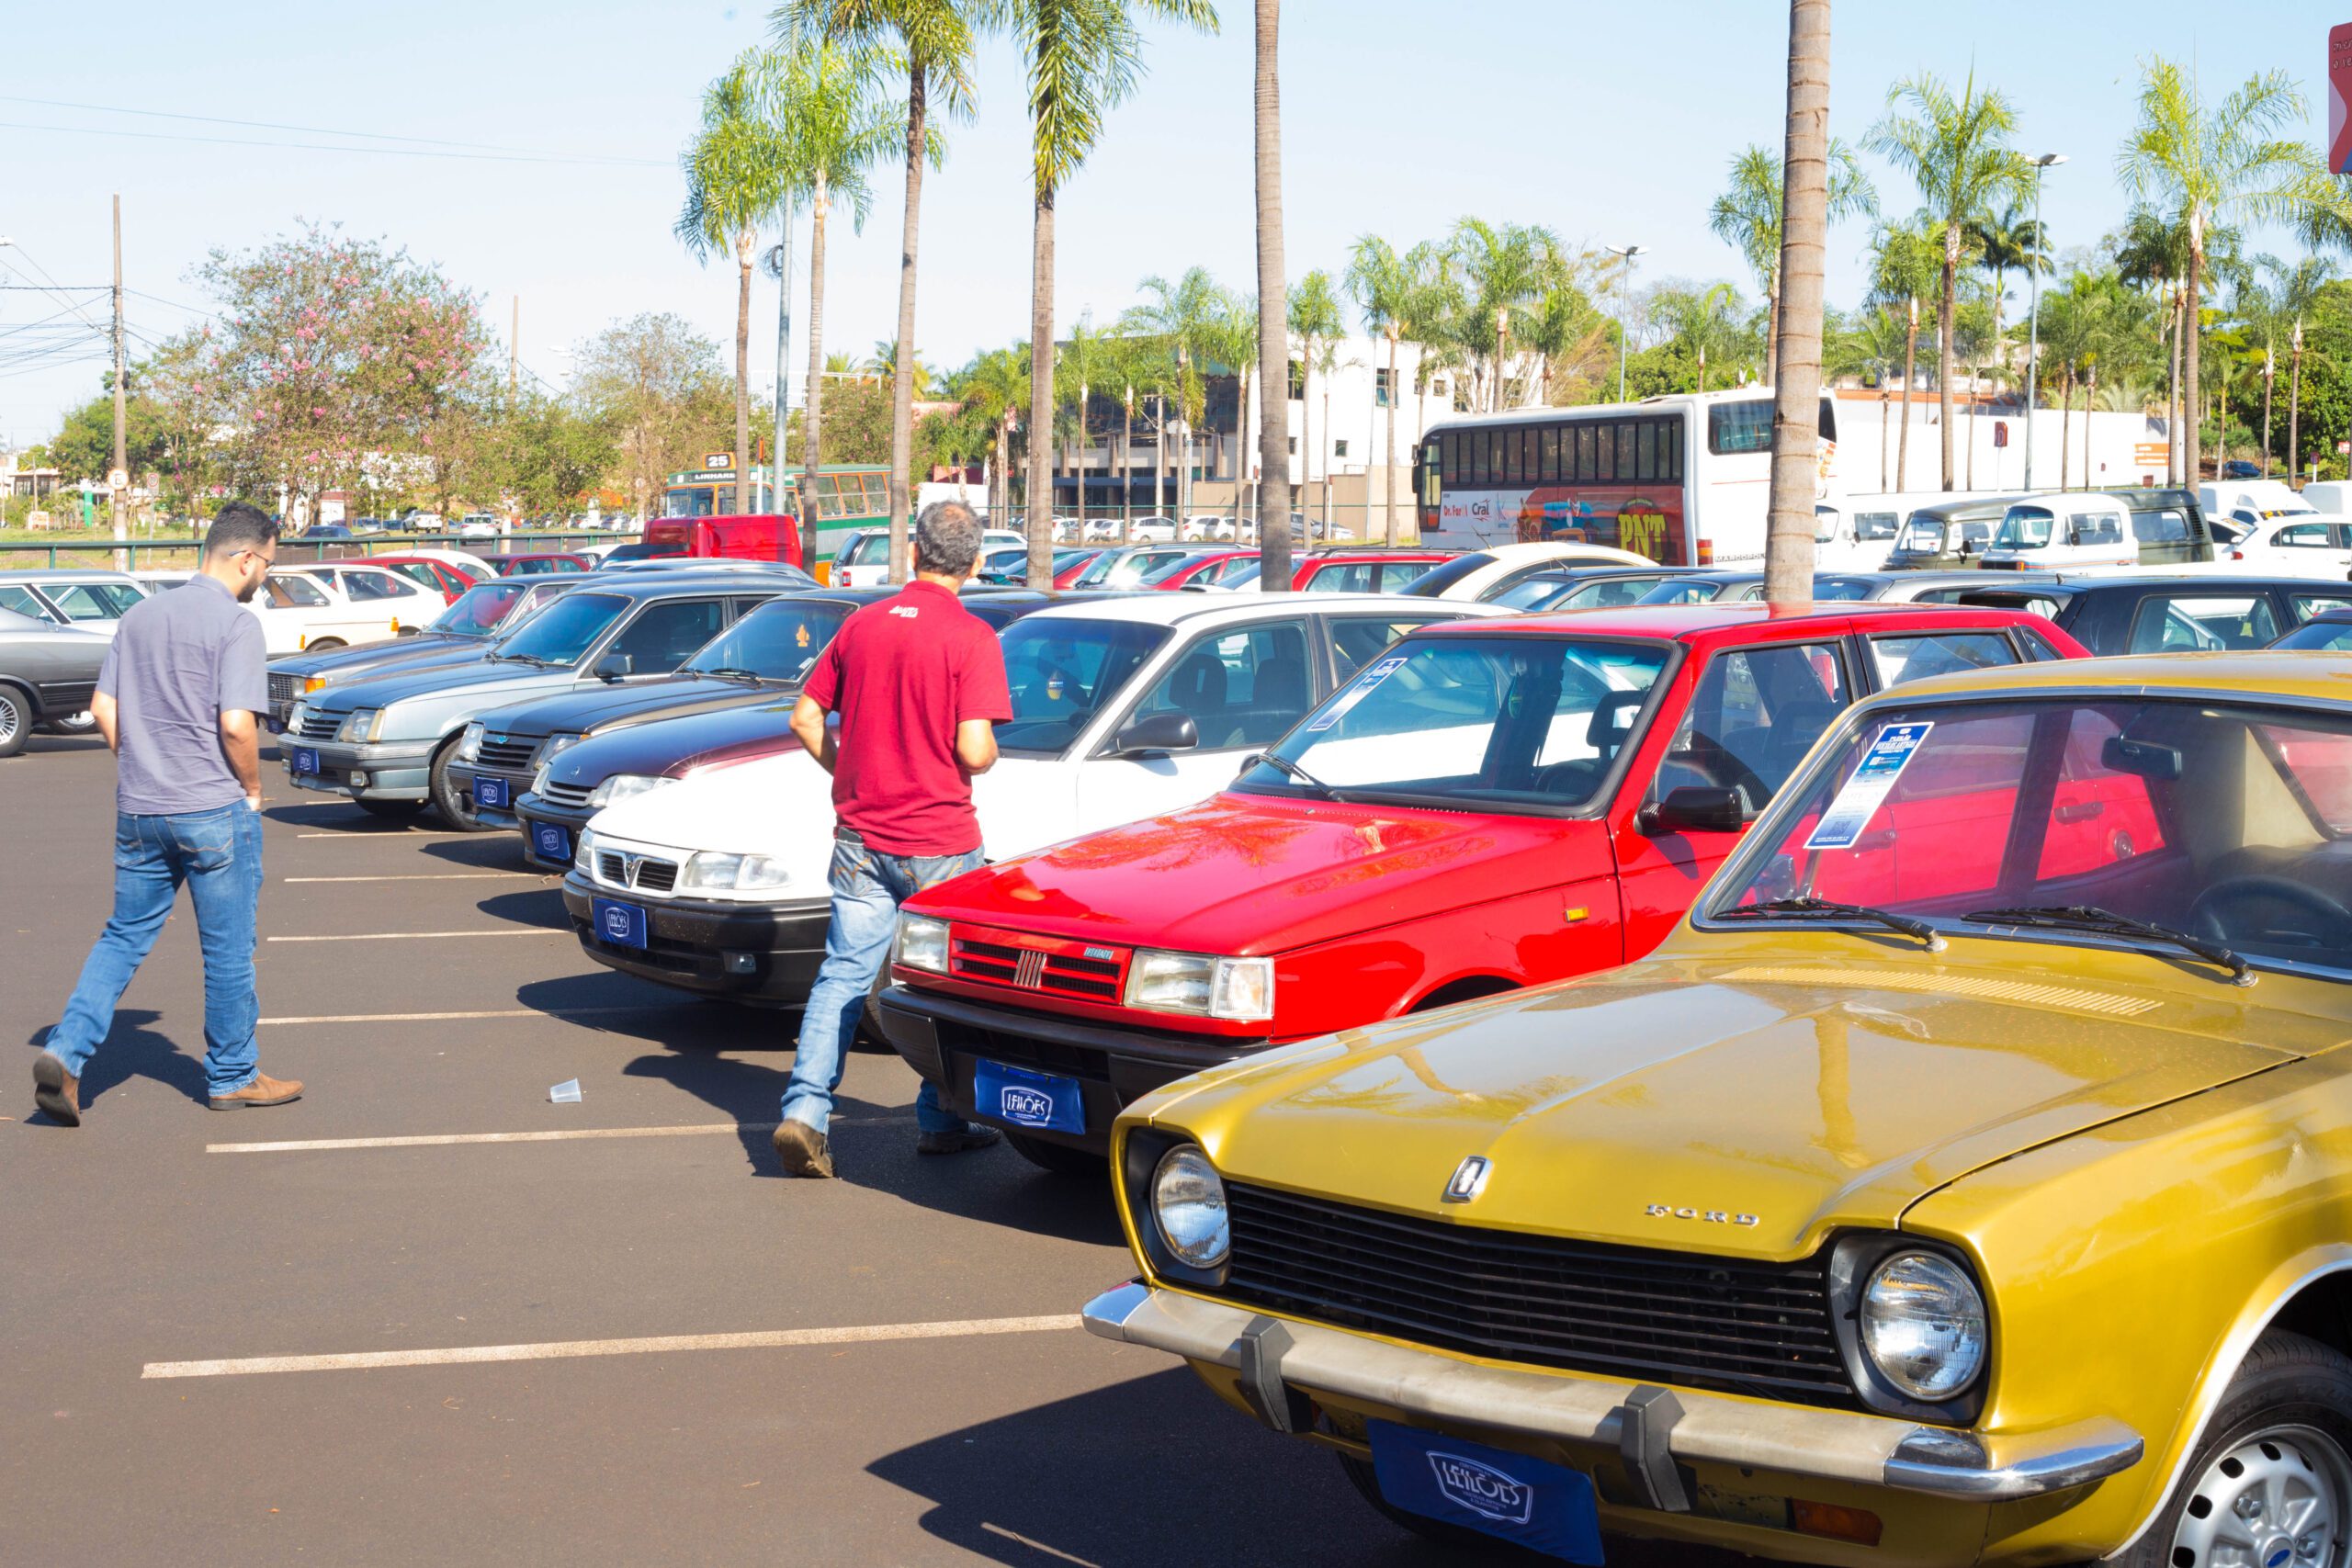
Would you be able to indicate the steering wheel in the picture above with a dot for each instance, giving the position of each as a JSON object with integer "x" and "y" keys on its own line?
{"x": 1715, "y": 764}
{"x": 2206, "y": 916}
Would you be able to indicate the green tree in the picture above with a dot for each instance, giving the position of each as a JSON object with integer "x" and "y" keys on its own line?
{"x": 1507, "y": 269}
{"x": 1315, "y": 322}
{"x": 1746, "y": 217}
{"x": 2206, "y": 165}
{"x": 1903, "y": 267}
{"x": 1956, "y": 150}
{"x": 1381, "y": 284}
{"x": 935, "y": 39}
{"x": 2005, "y": 242}
{"x": 1185, "y": 318}
{"x": 658, "y": 386}
{"x": 1083, "y": 58}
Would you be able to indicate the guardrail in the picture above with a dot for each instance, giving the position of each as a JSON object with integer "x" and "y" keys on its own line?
{"x": 296, "y": 552}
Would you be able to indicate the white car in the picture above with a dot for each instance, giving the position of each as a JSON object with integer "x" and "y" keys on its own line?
{"x": 2305, "y": 543}
{"x": 379, "y": 591}
{"x": 480, "y": 525}
{"x": 89, "y": 598}
{"x": 1123, "y": 708}
{"x": 2051, "y": 532}
{"x": 1479, "y": 575}
{"x": 864, "y": 560}
{"x": 298, "y": 614}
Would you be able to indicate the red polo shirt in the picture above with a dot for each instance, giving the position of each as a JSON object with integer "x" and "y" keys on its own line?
{"x": 903, "y": 673}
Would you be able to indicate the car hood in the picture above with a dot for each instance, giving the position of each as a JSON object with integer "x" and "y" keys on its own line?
{"x": 377, "y": 690}
{"x": 1789, "y": 1095}
{"x": 577, "y": 710}
{"x": 437, "y": 645}
{"x": 674, "y": 744}
{"x": 779, "y": 805}
{"x": 1245, "y": 874}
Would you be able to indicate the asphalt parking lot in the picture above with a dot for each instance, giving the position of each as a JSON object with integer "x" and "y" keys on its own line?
{"x": 424, "y": 1314}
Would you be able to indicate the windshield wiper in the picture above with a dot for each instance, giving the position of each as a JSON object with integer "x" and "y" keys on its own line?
{"x": 1824, "y": 908}
{"x": 1285, "y": 766}
{"x": 520, "y": 659}
{"x": 2091, "y": 918}
{"x": 733, "y": 673}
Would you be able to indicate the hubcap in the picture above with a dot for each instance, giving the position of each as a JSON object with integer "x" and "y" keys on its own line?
{"x": 7, "y": 721}
{"x": 2281, "y": 1498}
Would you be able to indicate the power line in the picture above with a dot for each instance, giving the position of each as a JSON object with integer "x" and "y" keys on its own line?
{"x": 329, "y": 147}
{"x": 310, "y": 130}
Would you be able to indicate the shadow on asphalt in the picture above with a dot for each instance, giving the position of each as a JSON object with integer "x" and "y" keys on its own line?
{"x": 134, "y": 1050}
{"x": 538, "y": 907}
{"x": 48, "y": 745}
{"x": 482, "y": 852}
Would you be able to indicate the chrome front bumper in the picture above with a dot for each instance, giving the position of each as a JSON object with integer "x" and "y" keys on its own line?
{"x": 1871, "y": 1450}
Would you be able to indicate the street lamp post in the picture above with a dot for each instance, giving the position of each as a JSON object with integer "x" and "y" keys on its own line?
{"x": 1623, "y": 285}
{"x": 2033, "y": 327}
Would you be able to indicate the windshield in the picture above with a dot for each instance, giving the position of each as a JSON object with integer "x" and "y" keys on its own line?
{"x": 1828, "y": 589}
{"x": 2328, "y": 635}
{"x": 1432, "y": 583}
{"x": 477, "y": 609}
{"x": 1064, "y": 671}
{"x": 1506, "y": 721}
{"x": 2025, "y": 528}
{"x": 1114, "y": 568}
{"x": 564, "y": 631}
{"x": 2230, "y": 822}
{"x": 1576, "y": 593}
{"x": 1163, "y": 570}
{"x": 863, "y": 550}
{"x": 778, "y": 641}
{"x": 1689, "y": 591}
{"x": 94, "y": 601}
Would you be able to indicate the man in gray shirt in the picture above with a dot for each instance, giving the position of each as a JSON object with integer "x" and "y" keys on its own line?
{"x": 177, "y": 701}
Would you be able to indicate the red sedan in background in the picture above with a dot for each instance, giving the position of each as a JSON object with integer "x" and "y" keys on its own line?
{"x": 1203, "y": 569}
{"x": 1352, "y": 570}
{"x": 446, "y": 577}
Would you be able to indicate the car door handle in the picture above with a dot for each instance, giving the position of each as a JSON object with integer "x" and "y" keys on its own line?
{"x": 2081, "y": 811}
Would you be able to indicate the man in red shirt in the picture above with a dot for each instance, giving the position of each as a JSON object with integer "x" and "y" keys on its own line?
{"x": 917, "y": 683}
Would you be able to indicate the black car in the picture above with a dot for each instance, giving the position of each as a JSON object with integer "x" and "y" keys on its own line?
{"x": 2206, "y": 612}
{"x": 461, "y": 634}
{"x": 2330, "y": 631}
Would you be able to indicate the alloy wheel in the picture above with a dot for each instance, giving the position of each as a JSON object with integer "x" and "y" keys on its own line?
{"x": 2281, "y": 1498}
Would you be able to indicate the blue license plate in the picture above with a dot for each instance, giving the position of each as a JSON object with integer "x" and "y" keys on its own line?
{"x": 1023, "y": 1098}
{"x": 305, "y": 761}
{"x": 622, "y": 925}
{"x": 551, "y": 842}
{"x": 1544, "y": 1506}
{"x": 495, "y": 793}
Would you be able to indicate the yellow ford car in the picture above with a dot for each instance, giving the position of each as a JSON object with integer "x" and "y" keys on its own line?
{"x": 1968, "y": 1179}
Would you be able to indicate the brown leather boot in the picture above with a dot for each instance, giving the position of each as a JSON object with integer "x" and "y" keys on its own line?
{"x": 57, "y": 1091}
{"x": 804, "y": 1150}
{"x": 263, "y": 1090}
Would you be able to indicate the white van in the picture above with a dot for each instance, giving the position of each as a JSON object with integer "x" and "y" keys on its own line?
{"x": 2248, "y": 502}
{"x": 1858, "y": 533}
{"x": 2042, "y": 533}
{"x": 2332, "y": 496}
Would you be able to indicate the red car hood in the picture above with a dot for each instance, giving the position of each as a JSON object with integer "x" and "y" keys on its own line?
{"x": 1246, "y": 875}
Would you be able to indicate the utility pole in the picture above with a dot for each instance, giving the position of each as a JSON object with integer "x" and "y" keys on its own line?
{"x": 514, "y": 351}
{"x": 2033, "y": 316}
{"x": 118, "y": 477}
{"x": 782, "y": 257}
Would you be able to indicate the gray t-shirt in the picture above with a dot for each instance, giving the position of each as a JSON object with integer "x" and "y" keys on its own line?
{"x": 180, "y": 659}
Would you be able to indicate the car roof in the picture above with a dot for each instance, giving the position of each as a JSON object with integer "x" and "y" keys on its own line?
{"x": 2305, "y": 675}
{"x": 40, "y": 574}
{"x": 1157, "y": 608}
{"x": 662, "y": 583}
{"x": 1690, "y": 622}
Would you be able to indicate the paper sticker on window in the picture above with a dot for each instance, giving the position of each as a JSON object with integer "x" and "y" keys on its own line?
{"x": 1370, "y": 678}
{"x": 1859, "y": 801}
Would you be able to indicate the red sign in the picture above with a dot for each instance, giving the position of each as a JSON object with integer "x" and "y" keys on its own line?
{"x": 2000, "y": 433}
{"x": 2339, "y": 98}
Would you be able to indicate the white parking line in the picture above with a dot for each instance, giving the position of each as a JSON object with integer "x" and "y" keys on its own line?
{"x": 765, "y": 1339}
{"x": 416, "y": 876}
{"x": 451, "y": 1017}
{"x": 422, "y": 936}
{"x": 381, "y": 837}
{"x": 553, "y": 1134}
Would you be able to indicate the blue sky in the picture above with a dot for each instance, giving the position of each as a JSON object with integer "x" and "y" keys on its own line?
{"x": 1610, "y": 123}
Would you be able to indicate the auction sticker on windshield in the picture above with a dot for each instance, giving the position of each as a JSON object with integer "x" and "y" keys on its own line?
{"x": 1357, "y": 693}
{"x": 1858, "y": 800}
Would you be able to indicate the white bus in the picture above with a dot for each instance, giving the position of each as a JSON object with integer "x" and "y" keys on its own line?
{"x": 1684, "y": 479}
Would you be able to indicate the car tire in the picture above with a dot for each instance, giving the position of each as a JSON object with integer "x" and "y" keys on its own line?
{"x": 392, "y": 811}
{"x": 82, "y": 723}
{"x": 1060, "y": 1160}
{"x": 2285, "y": 1421}
{"x": 16, "y": 721}
{"x": 1465, "y": 1544}
{"x": 448, "y": 801}
{"x": 323, "y": 644}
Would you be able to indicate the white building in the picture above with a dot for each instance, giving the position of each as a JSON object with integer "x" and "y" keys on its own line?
{"x": 2123, "y": 449}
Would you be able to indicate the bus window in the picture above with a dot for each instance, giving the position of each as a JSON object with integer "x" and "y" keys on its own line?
{"x": 1645, "y": 451}
{"x": 1588, "y": 467}
{"x": 1624, "y": 452}
{"x": 1549, "y": 440}
{"x": 1604, "y": 461}
{"x": 1745, "y": 426}
{"x": 1670, "y": 448}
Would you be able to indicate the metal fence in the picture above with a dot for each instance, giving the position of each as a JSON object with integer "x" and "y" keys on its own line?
{"x": 125, "y": 554}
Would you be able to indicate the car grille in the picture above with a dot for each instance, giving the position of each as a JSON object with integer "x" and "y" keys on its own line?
{"x": 1088, "y": 971}
{"x": 648, "y": 876}
{"x": 571, "y": 796}
{"x": 1745, "y": 1328}
{"x": 321, "y": 725}
{"x": 284, "y": 688}
{"x": 506, "y": 753}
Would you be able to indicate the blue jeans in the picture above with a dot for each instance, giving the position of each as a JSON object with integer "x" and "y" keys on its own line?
{"x": 218, "y": 854}
{"x": 868, "y": 887}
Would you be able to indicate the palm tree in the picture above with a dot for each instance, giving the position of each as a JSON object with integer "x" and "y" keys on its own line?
{"x": 2069, "y": 341}
{"x": 1796, "y": 391}
{"x": 1184, "y": 316}
{"x": 2008, "y": 241}
{"x": 1705, "y": 320}
{"x": 883, "y": 360}
{"x": 1904, "y": 265}
{"x": 1273, "y": 310}
{"x": 738, "y": 175}
{"x": 1956, "y": 150}
{"x": 934, "y": 37}
{"x": 1315, "y": 321}
{"x": 1232, "y": 340}
{"x": 1088, "y": 357}
{"x": 834, "y": 130}
{"x": 1083, "y": 58}
{"x": 996, "y": 387}
{"x": 1507, "y": 267}
{"x": 2295, "y": 296}
{"x": 2205, "y": 165}
{"x": 1746, "y": 217}
{"x": 1381, "y": 287}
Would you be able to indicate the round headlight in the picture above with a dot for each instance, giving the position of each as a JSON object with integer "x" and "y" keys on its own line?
{"x": 1922, "y": 1325}
{"x": 1188, "y": 1205}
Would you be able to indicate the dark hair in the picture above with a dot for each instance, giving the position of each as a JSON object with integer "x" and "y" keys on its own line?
{"x": 238, "y": 526}
{"x": 947, "y": 538}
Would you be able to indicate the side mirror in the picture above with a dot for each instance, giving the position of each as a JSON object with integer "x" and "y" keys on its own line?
{"x": 2073, "y": 535}
{"x": 1695, "y": 808}
{"x": 614, "y": 666}
{"x": 1158, "y": 732}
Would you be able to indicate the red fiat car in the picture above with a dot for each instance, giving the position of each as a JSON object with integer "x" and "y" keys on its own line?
{"x": 1488, "y": 804}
